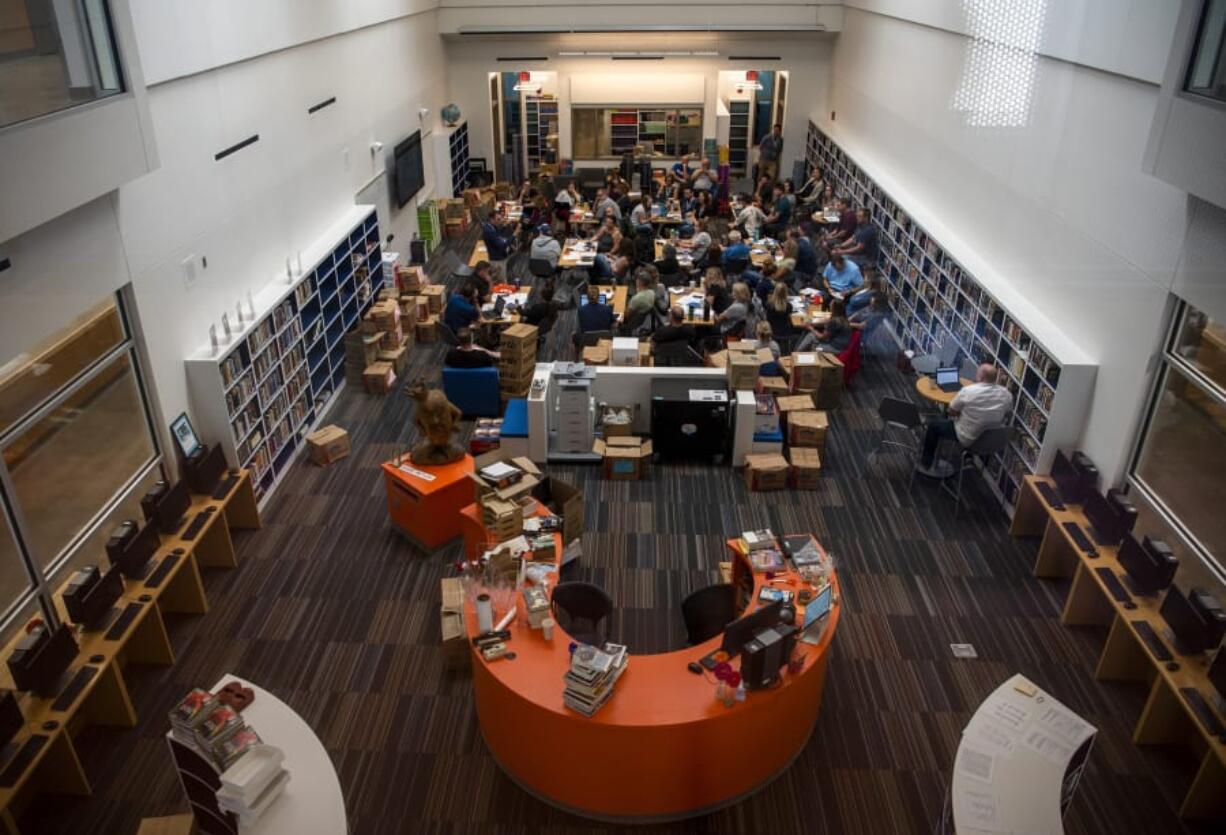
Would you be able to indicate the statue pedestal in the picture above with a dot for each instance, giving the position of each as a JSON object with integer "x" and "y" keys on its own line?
{"x": 426, "y": 508}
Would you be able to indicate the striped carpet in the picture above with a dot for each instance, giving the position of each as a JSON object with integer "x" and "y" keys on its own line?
{"x": 337, "y": 616}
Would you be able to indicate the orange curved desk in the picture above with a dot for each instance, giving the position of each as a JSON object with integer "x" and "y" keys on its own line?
{"x": 662, "y": 747}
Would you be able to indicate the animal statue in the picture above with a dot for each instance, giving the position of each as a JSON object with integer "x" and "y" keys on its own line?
{"x": 436, "y": 418}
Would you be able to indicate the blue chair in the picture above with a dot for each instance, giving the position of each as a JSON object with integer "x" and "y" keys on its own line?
{"x": 474, "y": 391}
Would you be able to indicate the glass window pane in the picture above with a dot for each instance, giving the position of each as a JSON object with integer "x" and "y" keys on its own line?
{"x": 29, "y": 608}
{"x": 71, "y": 463}
{"x": 1207, "y": 70}
{"x": 14, "y": 579}
{"x": 1192, "y": 569}
{"x": 54, "y": 56}
{"x": 34, "y": 377}
{"x": 1202, "y": 343}
{"x": 1183, "y": 459}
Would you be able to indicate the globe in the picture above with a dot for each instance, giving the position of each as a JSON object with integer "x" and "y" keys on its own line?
{"x": 451, "y": 115}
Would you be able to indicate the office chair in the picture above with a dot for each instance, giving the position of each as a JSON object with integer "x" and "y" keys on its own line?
{"x": 898, "y": 415}
{"x": 541, "y": 268}
{"x": 707, "y": 611}
{"x": 449, "y": 336}
{"x": 676, "y": 354}
{"x": 582, "y": 610}
{"x": 969, "y": 369}
{"x": 990, "y": 442}
{"x": 587, "y": 339}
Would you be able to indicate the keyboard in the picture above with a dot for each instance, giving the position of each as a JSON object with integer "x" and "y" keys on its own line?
{"x": 159, "y": 574}
{"x": 122, "y": 622}
{"x": 1080, "y": 538}
{"x": 1151, "y": 640}
{"x": 1202, "y": 710}
{"x": 224, "y": 487}
{"x": 22, "y": 759}
{"x": 1113, "y": 584}
{"x": 74, "y": 687}
{"x": 1050, "y": 495}
{"x": 193, "y": 530}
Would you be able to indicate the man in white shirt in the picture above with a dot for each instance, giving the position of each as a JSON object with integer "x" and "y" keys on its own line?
{"x": 546, "y": 246}
{"x": 981, "y": 405}
{"x": 642, "y": 211}
{"x": 698, "y": 244}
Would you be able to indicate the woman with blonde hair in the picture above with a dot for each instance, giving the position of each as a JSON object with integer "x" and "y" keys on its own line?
{"x": 736, "y": 313}
{"x": 779, "y": 310}
{"x": 766, "y": 338}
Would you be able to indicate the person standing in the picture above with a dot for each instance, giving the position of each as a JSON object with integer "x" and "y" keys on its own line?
{"x": 769, "y": 150}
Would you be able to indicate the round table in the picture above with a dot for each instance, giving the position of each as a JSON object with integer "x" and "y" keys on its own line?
{"x": 662, "y": 747}
{"x": 927, "y": 389}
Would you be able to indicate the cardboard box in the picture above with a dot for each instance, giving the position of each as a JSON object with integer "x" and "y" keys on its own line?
{"x": 790, "y": 403}
{"x": 434, "y": 297}
{"x": 518, "y": 340}
{"x": 766, "y": 472}
{"x": 766, "y": 414}
{"x": 389, "y": 294}
{"x": 742, "y": 371}
{"x": 806, "y": 467}
{"x": 596, "y": 354}
{"x": 379, "y": 378}
{"x": 772, "y": 385}
{"x": 503, "y": 520}
{"x": 625, "y": 459}
{"x": 398, "y": 358}
{"x": 426, "y": 329}
{"x": 452, "y": 595}
{"x": 508, "y": 493}
{"x": 391, "y": 340}
{"x": 807, "y": 429}
{"x": 362, "y": 349}
{"x": 625, "y": 351}
{"x": 618, "y": 421}
{"x": 410, "y": 279}
{"x": 565, "y": 500}
{"x": 456, "y": 654}
{"x": 327, "y": 445}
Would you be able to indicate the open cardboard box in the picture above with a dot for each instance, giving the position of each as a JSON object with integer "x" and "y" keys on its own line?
{"x": 511, "y": 493}
{"x": 625, "y": 458}
{"x": 566, "y": 500}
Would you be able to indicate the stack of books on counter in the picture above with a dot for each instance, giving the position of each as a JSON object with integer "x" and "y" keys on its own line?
{"x": 592, "y": 676}
{"x": 249, "y": 786}
{"x": 215, "y": 730}
{"x": 762, "y": 549}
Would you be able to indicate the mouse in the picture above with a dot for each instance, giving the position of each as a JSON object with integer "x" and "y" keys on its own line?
{"x": 695, "y": 668}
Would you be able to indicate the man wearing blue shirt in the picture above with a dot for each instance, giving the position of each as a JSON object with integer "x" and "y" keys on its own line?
{"x": 681, "y": 168}
{"x": 497, "y": 242}
{"x": 841, "y": 275}
{"x": 461, "y": 310}
{"x": 806, "y": 255}
{"x": 736, "y": 256}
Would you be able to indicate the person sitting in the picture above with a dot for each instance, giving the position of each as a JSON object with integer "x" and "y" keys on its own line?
{"x": 594, "y": 315}
{"x": 545, "y": 246}
{"x": 540, "y": 310}
{"x": 641, "y": 213}
{"x": 765, "y": 192}
{"x": 810, "y": 193}
{"x": 779, "y": 310}
{"x": 687, "y": 202}
{"x": 806, "y": 255}
{"x": 846, "y": 227}
{"x": 704, "y": 207}
{"x": 736, "y": 257}
{"x": 667, "y": 265}
{"x": 698, "y": 245}
{"x": 677, "y": 329}
{"x": 526, "y": 193}
{"x": 622, "y": 261}
{"x": 781, "y": 213}
{"x": 829, "y": 200}
{"x": 482, "y": 280}
{"x": 981, "y": 405}
{"x": 643, "y": 302}
{"x": 734, "y": 316}
{"x": 681, "y": 168}
{"x": 467, "y": 354}
{"x": 833, "y": 336}
{"x": 859, "y": 300}
{"x": 563, "y": 201}
{"x": 751, "y": 219}
{"x": 841, "y": 276}
{"x": 862, "y": 246}
{"x": 867, "y": 319}
{"x": 462, "y": 309}
{"x": 703, "y": 179}
{"x": 766, "y": 281}
{"x": 766, "y": 338}
{"x": 606, "y": 206}
{"x": 498, "y": 241}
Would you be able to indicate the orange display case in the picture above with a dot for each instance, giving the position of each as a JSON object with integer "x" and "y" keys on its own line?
{"x": 425, "y": 511}
{"x": 662, "y": 747}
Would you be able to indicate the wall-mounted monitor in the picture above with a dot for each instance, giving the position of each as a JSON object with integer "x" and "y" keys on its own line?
{"x": 408, "y": 172}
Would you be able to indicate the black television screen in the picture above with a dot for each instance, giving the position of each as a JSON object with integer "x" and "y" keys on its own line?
{"x": 1106, "y": 523}
{"x": 1067, "y": 478}
{"x": 1185, "y": 622}
{"x": 408, "y": 175}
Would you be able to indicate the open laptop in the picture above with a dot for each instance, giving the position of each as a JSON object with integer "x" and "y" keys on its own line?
{"x": 816, "y": 611}
{"x": 947, "y": 379}
{"x": 495, "y": 312}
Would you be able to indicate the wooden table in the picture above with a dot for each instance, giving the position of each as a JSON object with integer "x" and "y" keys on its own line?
{"x": 617, "y": 296}
{"x": 480, "y": 253}
{"x": 928, "y": 389}
{"x": 823, "y": 218}
{"x": 570, "y": 259}
{"x": 1166, "y": 717}
{"x": 661, "y": 747}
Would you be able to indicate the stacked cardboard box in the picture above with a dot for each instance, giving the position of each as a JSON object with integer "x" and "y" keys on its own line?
{"x": 410, "y": 279}
{"x": 361, "y": 351}
{"x": 808, "y": 429}
{"x": 384, "y": 316}
{"x": 434, "y": 298}
{"x": 517, "y": 360}
{"x": 379, "y": 378}
{"x": 625, "y": 458}
{"x": 426, "y": 329}
{"x": 399, "y": 358}
{"x": 451, "y": 614}
{"x": 829, "y": 389}
{"x": 773, "y": 385}
{"x": 806, "y": 467}
{"x": 328, "y": 444}
{"x": 742, "y": 370}
{"x": 503, "y": 519}
{"x": 766, "y": 472}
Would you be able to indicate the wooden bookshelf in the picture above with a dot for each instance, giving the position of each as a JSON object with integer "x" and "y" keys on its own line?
{"x": 933, "y": 295}
{"x": 262, "y": 392}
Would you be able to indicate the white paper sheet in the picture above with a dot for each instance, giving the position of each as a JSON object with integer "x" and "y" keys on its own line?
{"x": 1008, "y": 713}
{"x": 975, "y": 763}
{"x": 976, "y": 810}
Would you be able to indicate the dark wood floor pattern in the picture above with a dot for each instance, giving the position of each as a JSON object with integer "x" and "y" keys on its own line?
{"x": 337, "y": 616}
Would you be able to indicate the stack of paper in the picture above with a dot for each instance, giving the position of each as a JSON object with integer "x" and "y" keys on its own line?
{"x": 592, "y": 674}
{"x": 250, "y": 786}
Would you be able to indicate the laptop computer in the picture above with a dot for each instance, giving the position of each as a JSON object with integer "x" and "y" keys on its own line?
{"x": 947, "y": 379}
{"x": 495, "y": 312}
{"x": 816, "y": 611}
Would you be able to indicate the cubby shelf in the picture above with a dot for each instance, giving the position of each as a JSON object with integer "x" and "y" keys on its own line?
{"x": 932, "y": 296}
{"x": 260, "y": 394}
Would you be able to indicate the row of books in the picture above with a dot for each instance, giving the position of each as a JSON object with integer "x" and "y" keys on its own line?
{"x": 593, "y": 673}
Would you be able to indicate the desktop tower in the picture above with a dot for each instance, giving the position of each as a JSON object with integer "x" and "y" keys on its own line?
{"x": 765, "y": 655}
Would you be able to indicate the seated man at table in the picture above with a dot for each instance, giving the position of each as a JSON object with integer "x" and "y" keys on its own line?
{"x": 981, "y": 405}
{"x": 698, "y": 245}
{"x": 832, "y": 336}
{"x": 462, "y": 309}
{"x": 667, "y": 265}
{"x": 644, "y": 299}
{"x": 736, "y": 255}
{"x": 806, "y": 254}
{"x": 677, "y": 329}
{"x": 540, "y": 310}
{"x": 605, "y": 206}
{"x": 593, "y": 315}
{"x": 498, "y": 241}
{"x": 482, "y": 280}
{"x": 780, "y": 215}
{"x": 861, "y": 247}
{"x": 859, "y": 299}
{"x": 641, "y": 213}
{"x": 867, "y": 319}
{"x": 468, "y": 354}
{"x": 846, "y": 227}
{"x": 841, "y": 276}
{"x": 545, "y": 246}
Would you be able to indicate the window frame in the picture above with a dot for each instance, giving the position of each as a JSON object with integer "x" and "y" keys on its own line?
{"x": 1191, "y": 53}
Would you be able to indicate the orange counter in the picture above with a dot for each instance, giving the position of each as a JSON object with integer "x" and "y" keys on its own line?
{"x": 662, "y": 747}
{"x": 424, "y": 510}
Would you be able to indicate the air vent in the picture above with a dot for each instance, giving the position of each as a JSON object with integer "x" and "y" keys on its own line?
{"x": 513, "y": 59}
{"x": 755, "y": 58}
{"x": 638, "y": 57}
{"x": 318, "y": 107}
{"x": 234, "y": 149}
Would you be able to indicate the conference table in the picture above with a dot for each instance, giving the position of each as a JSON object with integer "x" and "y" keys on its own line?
{"x": 662, "y": 747}
{"x": 811, "y": 312}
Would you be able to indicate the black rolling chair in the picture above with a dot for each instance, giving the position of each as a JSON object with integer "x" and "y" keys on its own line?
{"x": 582, "y": 610}
{"x": 707, "y": 611}
{"x": 676, "y": 354}
{"x": 991, "y": 442}
{"x": 541, "y": 268}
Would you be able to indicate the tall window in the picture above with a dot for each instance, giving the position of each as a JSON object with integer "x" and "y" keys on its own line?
{"x": 1207, "y": 69}
{"x": 77, "y": 451}
{"x": 1178, "y": 473}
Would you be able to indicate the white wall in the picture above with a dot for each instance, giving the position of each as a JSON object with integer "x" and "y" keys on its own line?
{"x": 247, "y": 213}
{"x": 1059, "y": 207}
{"x": 577, "y": 15}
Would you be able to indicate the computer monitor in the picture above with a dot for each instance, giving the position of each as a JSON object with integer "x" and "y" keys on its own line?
{"x": 166, "y": 506}
{"x": 131, "y": 547}
{"x": 11, "y": 720}
{"x": 203, "y": 474}
{"x": 40, "y": 659}
{"x": 1185, "y": 622}
{"x": 185, "y": 436}
{"x": 1217, "y": 673}
{"x": 947, "y": 376}
{"x": 1067, "y": 478}
{"x": 1151, "y": 565}
{"x": 90, "y": 596}
{"x": 740, "y": 631}
{"x": 1105, "y": 522}
{"x": 819, "y": 606}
